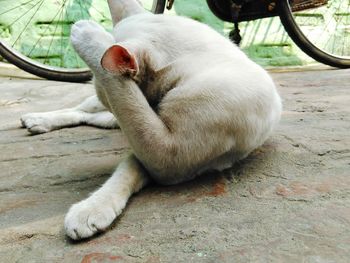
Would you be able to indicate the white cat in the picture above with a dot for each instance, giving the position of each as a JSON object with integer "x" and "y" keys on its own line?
{"x": 187, "y": 99}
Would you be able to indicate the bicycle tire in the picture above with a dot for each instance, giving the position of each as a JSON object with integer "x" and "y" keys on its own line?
{"x": 55, "y": 73}
{"x": 296, "y": 34}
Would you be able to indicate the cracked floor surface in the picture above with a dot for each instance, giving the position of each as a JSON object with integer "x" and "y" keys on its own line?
{"x": 289, "y": 201}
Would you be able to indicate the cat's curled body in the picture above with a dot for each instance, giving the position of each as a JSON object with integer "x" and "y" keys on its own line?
{"x": 187, "y": 99}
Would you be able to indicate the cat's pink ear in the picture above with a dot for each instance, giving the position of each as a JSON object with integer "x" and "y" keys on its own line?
{"x": 117, "y": 59}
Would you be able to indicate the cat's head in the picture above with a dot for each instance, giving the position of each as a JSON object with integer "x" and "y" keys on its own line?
{"x": 118, "y": 60}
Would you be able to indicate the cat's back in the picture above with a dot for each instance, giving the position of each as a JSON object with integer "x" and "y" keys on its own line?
{"x": 164, "y": 26}
{"x": 165, "y": 32}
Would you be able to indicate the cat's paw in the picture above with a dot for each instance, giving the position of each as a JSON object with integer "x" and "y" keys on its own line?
{"x": 37, "y": 123}
{"x": 84, "y": 30}
{"x": 86, "y": 218}
{"x": 89, "y": 38}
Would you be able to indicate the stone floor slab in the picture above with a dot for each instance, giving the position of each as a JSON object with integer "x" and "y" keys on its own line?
{"x": 289, "y": 201}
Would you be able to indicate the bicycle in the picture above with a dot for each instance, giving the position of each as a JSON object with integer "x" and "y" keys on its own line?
{"x": 296, "y": 17}
{"x": 51, "y": 56}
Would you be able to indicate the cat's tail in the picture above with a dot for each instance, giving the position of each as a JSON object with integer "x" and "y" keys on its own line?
{"x": 121, "y": 9}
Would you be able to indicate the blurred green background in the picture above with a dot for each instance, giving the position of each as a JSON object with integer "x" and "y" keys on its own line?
{"x": 40, "y": 29}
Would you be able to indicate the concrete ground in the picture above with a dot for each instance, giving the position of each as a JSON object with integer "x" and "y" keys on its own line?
{"x": 289, "y": 201}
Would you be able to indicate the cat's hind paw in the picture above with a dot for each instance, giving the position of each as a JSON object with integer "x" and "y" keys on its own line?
{"x": 83, "y": 31}
{"x": 86, "y": 218}
{"x": 36, "y": 123}
{"x": 90, "y": 40}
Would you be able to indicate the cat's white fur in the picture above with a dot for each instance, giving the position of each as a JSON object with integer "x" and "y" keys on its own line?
{"x": 191, "y": 102}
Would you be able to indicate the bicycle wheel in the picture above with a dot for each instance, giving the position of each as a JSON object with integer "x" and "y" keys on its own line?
{"x": 34, "y": 34}
{"x": 323, "y": 33}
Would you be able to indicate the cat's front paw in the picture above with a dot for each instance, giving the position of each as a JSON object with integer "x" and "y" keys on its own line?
{"x": 87, "y": 217}
{"x": 37, "y": 123}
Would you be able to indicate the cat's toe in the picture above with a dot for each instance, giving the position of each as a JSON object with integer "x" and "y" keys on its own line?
{"x": 37, "y": 129}
{"x": 84, "y": 30}
{"x": 75, "y": 36}
{"x": 24, "y": 120}
{"x": 23, "y": 123}
{"x": 77, "y": 33}
{"x": 35, "y": 123}
{"x": 84, "y": 219}
{"x": 86, "y": 24}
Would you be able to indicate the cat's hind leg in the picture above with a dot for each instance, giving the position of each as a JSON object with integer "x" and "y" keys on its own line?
{"x": 90, "y": 112}
{"x": 99, "y": 210}
{"x": 121, "y": 9}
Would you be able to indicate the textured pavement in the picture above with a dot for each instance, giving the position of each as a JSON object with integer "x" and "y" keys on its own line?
{"x": 289, "y": 201}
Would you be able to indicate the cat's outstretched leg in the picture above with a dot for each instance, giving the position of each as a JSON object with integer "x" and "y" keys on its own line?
{"x": 90, "y": 40}
{"x": 90, "y": 112}
{"x": 98, "y": 211}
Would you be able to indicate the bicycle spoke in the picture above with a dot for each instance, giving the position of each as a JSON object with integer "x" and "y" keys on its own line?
{"x": 345, "y": 38}
{"x": 99, "y": 12}
{"x": 28, "y": 22}
{"x": 21, "y": 16}
{"x": 42, "y": 35}
{"x": 267, "y": 30}
{"x": 13, "y": 8}
{"x": 61, "y": 46}
{"x": 48, "y": 50}
{"x": 332, "y": 39}
{"x": 38, "y": 32}
{"x": 78, "y": 64}
{"x": 83, "y": 7}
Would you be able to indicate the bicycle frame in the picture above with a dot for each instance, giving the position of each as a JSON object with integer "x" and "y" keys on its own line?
{"x": 257, "y": 9}
{"x": 248, "y": 10}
